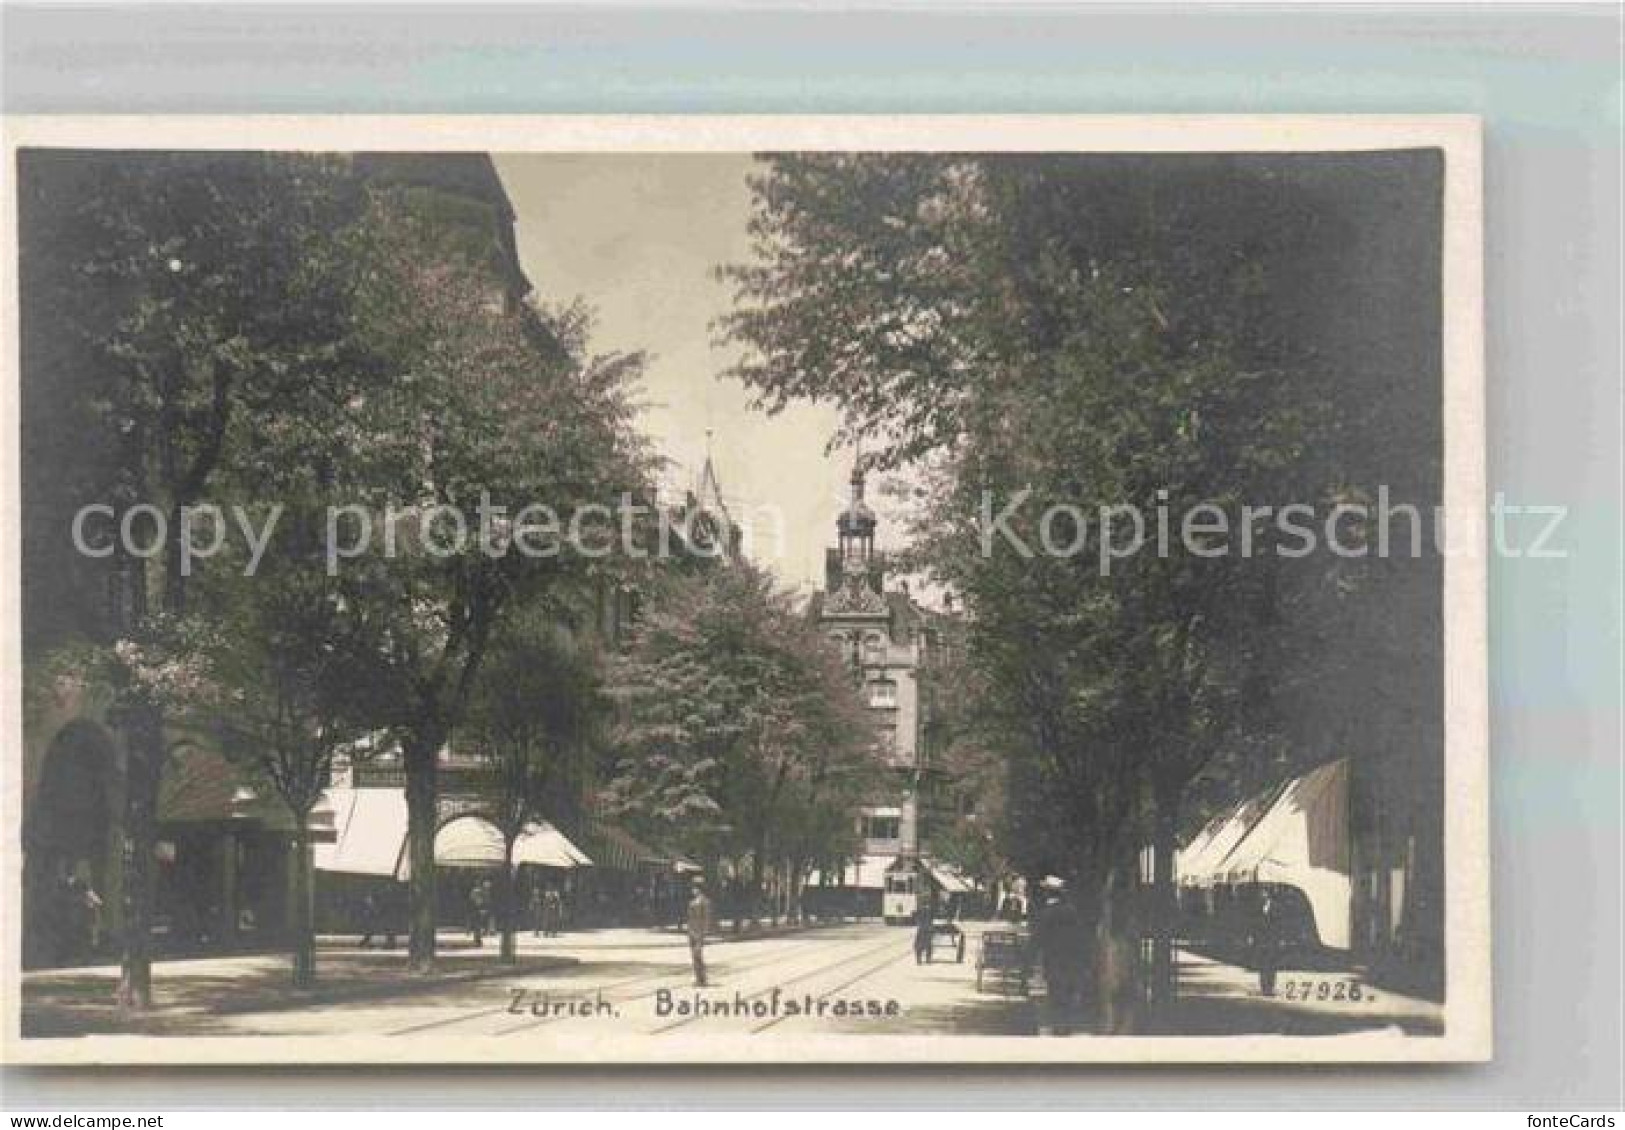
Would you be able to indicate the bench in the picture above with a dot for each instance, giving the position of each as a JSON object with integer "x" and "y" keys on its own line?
{"x": 1004, "y": 954}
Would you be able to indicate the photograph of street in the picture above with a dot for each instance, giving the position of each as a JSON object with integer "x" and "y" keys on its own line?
{"x": 559, "y": 598}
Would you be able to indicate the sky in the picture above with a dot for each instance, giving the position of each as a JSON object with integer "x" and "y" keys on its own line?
{"x": 637, "y": 236}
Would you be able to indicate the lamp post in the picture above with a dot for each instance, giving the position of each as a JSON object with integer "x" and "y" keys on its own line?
{"x": 317, "y": 827}
{"x": 244, "y": 806}
{"x": 320, "y": 823}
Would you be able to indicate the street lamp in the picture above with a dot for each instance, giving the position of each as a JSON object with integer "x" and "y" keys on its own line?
{"x": 320, "y": 823}
{"x": 244, "y": 801}
{"x": 243, "y": 806}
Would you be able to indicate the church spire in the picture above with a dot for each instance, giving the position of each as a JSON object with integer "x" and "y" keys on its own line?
{"x": 710, "y": 523}
{"x": 856, "y": 524}
{"x": 709, "y": 492}
{"x": 853, "y": 571}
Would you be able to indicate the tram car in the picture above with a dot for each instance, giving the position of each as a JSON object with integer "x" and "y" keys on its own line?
{"x": 901, "y": 901}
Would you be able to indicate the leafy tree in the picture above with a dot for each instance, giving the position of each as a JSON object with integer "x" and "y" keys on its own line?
{"x": 537, "y": 714}
{"x": 742, "y": 738}
{"x": 491, "y": 408}
{"x": 167, "y": 300}
{"x": 861, "y": 291}
{"x": 1076, "y": 333}
{"x": 968, "y": 749}
{"x": 285, "y": 705}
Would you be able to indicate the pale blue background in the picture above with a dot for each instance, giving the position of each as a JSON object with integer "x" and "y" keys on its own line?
{"x": 1547, "y": 81}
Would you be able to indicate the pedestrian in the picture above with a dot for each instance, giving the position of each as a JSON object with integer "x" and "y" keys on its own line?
{"x": 1058, "y": 933}
{"x": 698, "y": 922}
{"x": 374, "y": 921}
{"x": 479, "y": 904}
{"x": 92, "y": 917}
{"x": 538, "y": 910}
{"x": 75, "y": 919}
{"x": 552, "y": 912}
{"x": 1266, "y": 942}
{"x": 924, "y": 923}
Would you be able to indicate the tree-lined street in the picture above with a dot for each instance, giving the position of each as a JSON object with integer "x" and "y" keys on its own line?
{"x": 484, "y": 669}
{"x": 643, "y": 980}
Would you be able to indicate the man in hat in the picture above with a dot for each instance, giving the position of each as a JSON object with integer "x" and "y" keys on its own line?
{"x": 924, "y": 925}
{"x": 1058, "y": 932}
{"x": 699, "y": 924}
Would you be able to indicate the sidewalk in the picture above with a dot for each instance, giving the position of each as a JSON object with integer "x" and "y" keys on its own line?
{"x": 80, "y": 1001}
{"x": 1217, "y": 999}
{"x": 1220, "y": 999}
{"x": 186, "y": 990}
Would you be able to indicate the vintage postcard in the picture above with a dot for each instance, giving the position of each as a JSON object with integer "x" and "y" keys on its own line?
{"x": 722, "y": 590}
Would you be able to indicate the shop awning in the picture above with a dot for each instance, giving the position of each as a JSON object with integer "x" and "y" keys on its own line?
{"x": 369, "y": 833}
{"x": 1202, "y": 861}
{"x": 1306, "y": 826}
{"x": 947, "y": 876}
{"x": 370, "y": 839}
{"x": 473, "y": 841}
{"x": 1189, "y": 857}
{"x": 546, "y": 846}
{"x": 619, "y": 850}
{"x": 1303, "y": 842}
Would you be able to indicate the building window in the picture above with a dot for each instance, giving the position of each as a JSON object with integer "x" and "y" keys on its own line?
{"x": 886, "y": 740}
{"x": 874, "y": 648}
{"x": 882, "y": 827}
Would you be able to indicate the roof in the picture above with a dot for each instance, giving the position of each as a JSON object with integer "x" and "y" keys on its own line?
{"x": 197, "y": 786}
{"x": 464, "y": 174}
{"x": 200, "y": 785}
{"x": 471, "y": 176}
{"x": 856, "y": 518}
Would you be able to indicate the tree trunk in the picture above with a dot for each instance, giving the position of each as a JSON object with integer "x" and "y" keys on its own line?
{"x": 505, "y": 905}
{"x": 1163, "y": 910}
{"x": 793, "y": 911}
{"x": 144, "y": 747}
{"x": 301, "y": 909}
{"x": 757, "y": 879}
{"x": 422, "y": 816}
{"x": 1116, "y": 962}
{"x": 736, "y": 888}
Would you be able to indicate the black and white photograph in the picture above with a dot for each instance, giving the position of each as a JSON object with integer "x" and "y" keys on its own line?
{"x": 753, "y": 590}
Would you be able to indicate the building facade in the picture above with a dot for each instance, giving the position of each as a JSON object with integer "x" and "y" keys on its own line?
{"x": 889, "y": 642}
